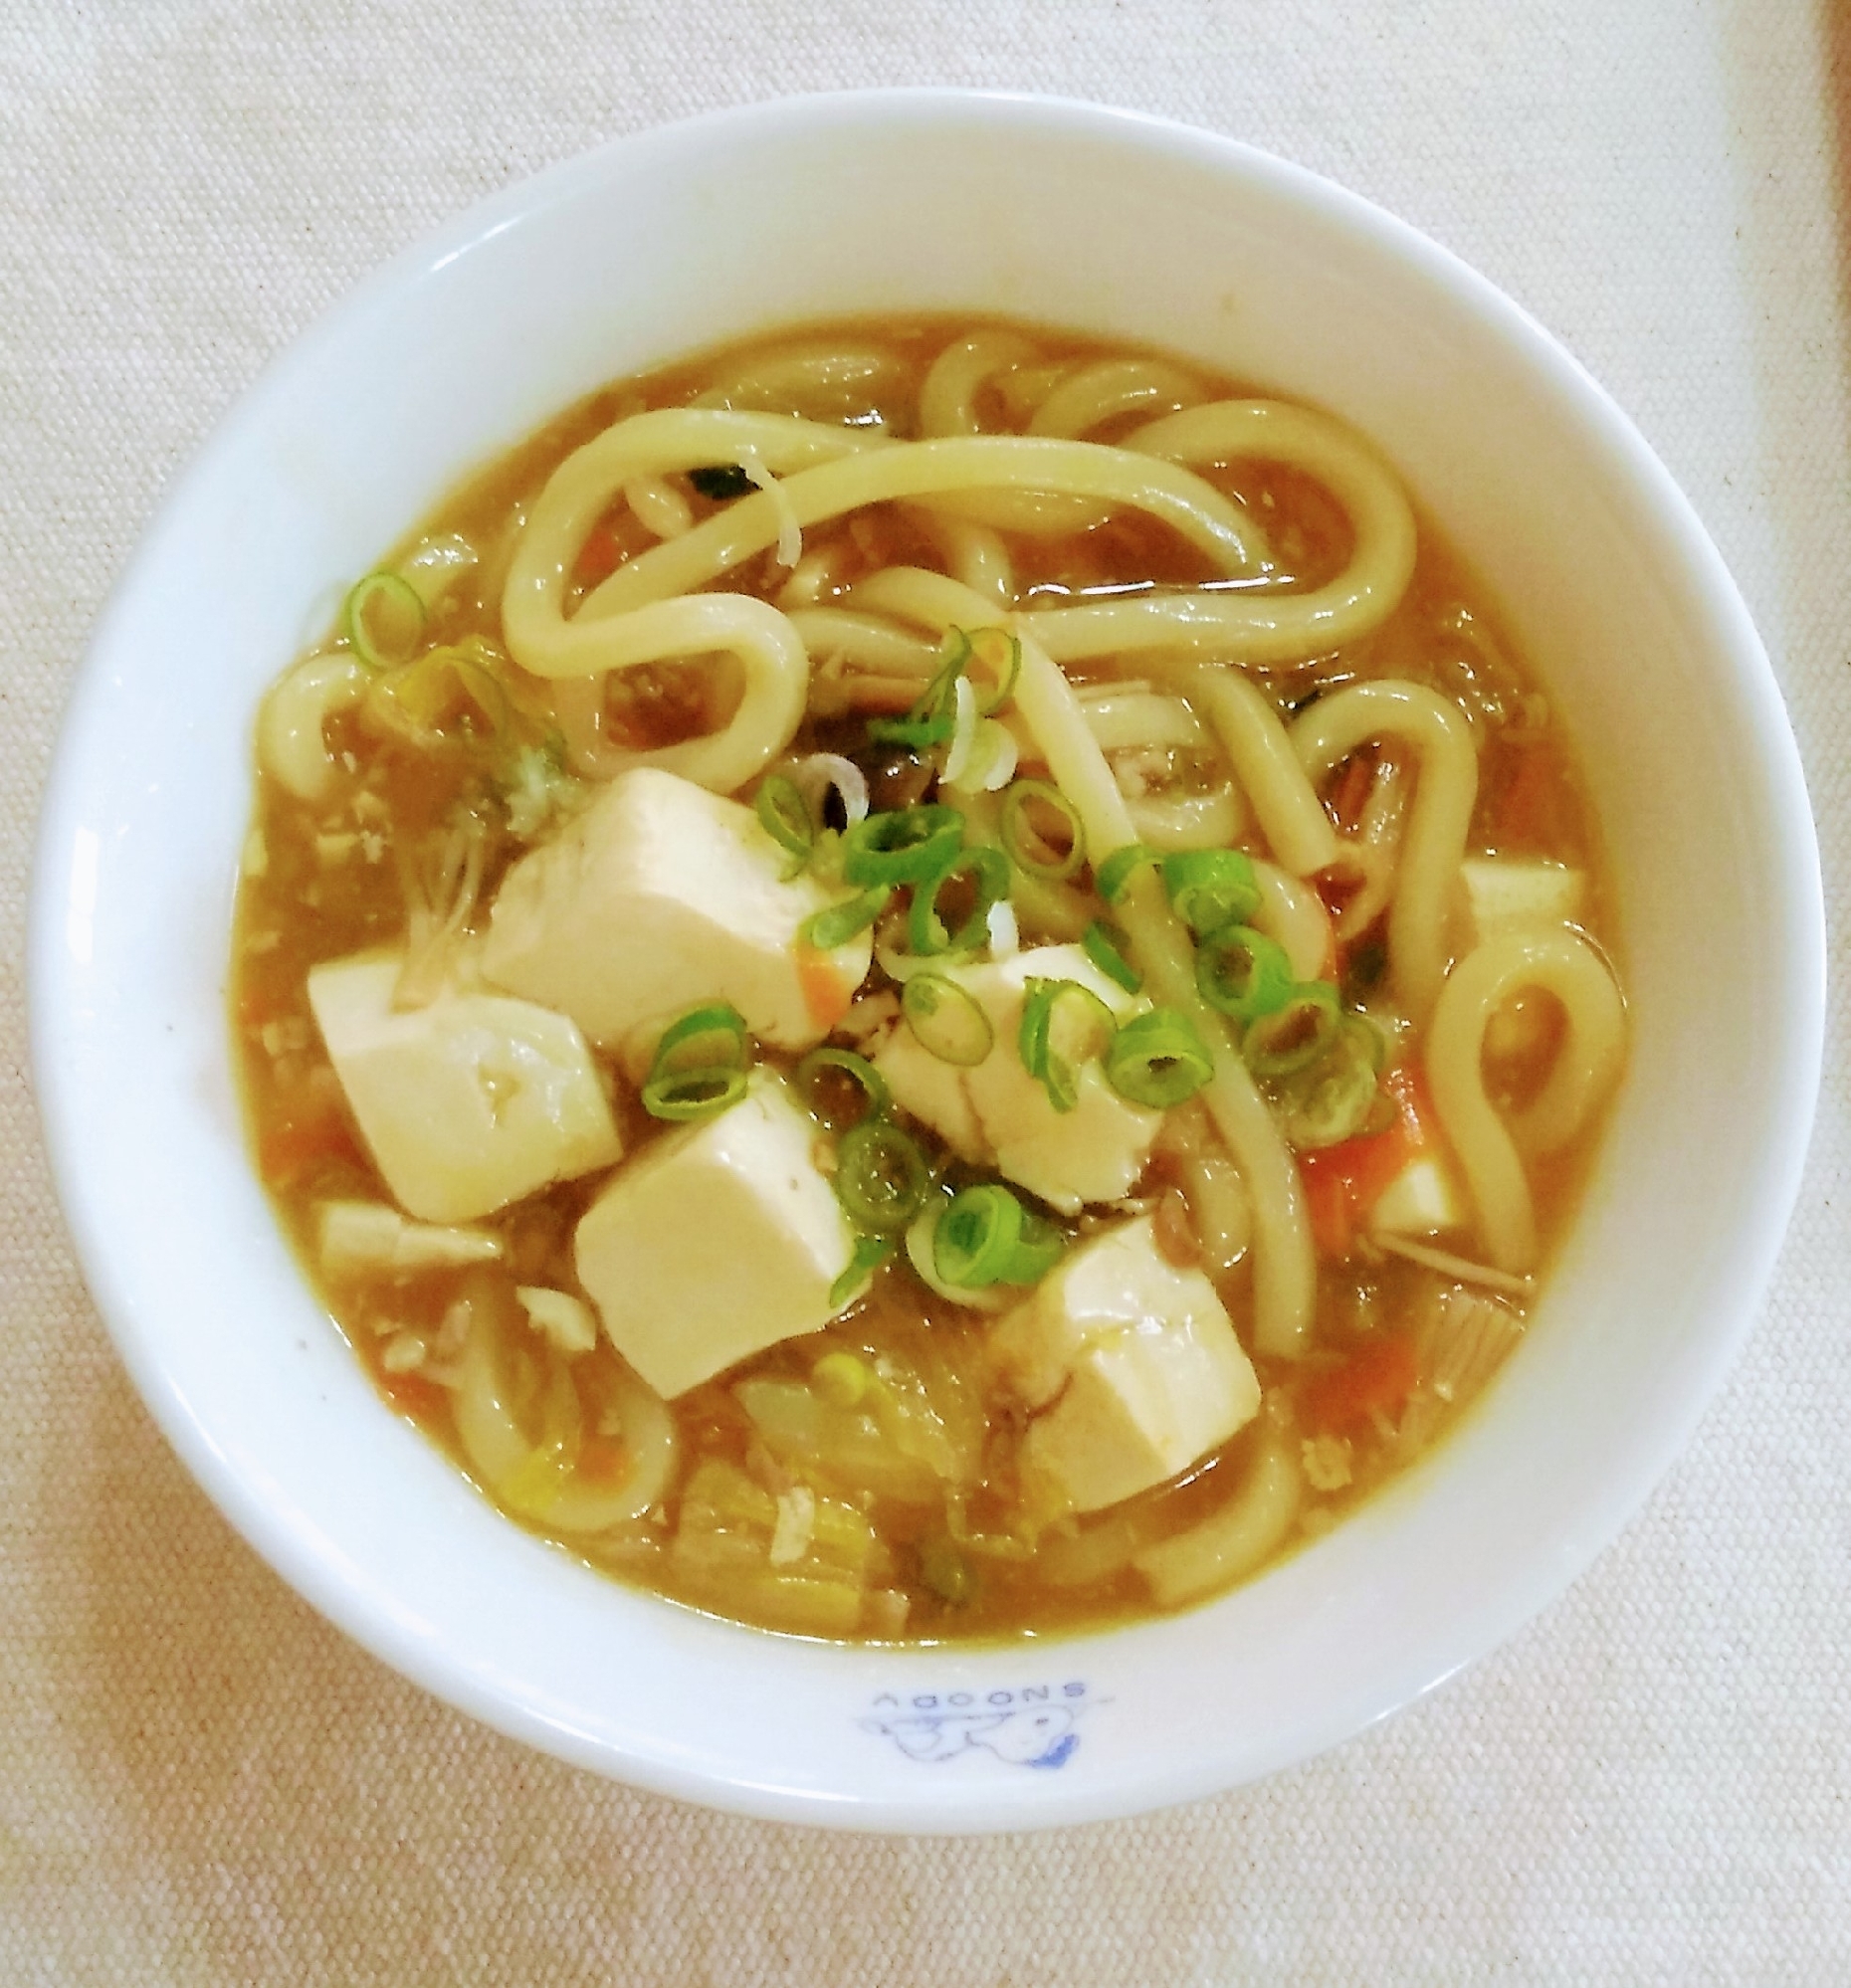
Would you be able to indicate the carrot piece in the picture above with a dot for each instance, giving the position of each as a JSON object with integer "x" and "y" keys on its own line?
{"x": 1527, "y": 808}
{"x": 1379, "y": 1377}
{"x": 826, "y": 992}
{"x": 599, "y": 557}
{"x": 1326, "y": 1199}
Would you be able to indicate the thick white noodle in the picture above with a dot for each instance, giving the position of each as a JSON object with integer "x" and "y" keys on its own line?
{"x": 1269, "y": 769}
{"x": 1107, "y": 388}
{"x": 1327, "y": 733}
{"x": 1259, "y": 628}
{"x": 290, "y": 740}
{"x": 658, "y": 506}
{"x": 1293, "y": 915}
{"x": 867, "y": 642}
{"x": 975, "y": 555}
{"x": 815, "y": 380}
{"x": 1236, "y": 1539}
{"x": 1587, "y": 1064}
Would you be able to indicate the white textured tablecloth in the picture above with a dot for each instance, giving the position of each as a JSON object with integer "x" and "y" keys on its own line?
{"x": 202, "y": 1782}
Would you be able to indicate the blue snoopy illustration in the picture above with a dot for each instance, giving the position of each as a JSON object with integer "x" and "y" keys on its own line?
{"x": 1024, "y": 1735}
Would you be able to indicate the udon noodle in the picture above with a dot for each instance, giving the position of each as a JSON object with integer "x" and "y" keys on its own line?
{"x": 1194, "y": 894}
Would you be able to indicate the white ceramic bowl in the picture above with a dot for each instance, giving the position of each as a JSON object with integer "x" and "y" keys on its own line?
{"x": 930, "y": 201}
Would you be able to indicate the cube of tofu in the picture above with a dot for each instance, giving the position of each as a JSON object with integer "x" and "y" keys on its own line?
{"x": 1130, "y": 1367}
{"x": 1419, "y": 1201}
{"x": 718, "y": 1241}
{"x": 1507, "y": 894}
{"x": 997, "y": 1114}
{"x": 662, "y": 896}
{"x": 467, "y": 1103}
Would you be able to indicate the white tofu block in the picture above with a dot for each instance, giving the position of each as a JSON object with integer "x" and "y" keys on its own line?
{"x": 1129, "y": 1366}
{"x": 662, "y": 896}
{"x": 1419, "y": 1201}
{"x": 718, "y": 1241}
{"x": 467, "y": 1103}
{"x": 1507, "y": 894}
{"x": 997, "y": 1114}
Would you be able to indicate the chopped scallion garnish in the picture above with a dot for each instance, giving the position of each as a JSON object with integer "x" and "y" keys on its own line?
{"x": 1063, "y": 1026}
{"x": 1159, "y": 1059}
{"x": 1109, "y": 949}
{"x": 871, "y": 1252}
{"x": 1029, "y": 849}
{"x": 902, "y": 845}
{"x": 1115, "y": 872}
{"x": 988, "y": 869}
{"x": 384, "y": 620}
{"x": 700, "y": 1066}
{"x": 948, "y": 1020}
{"x": 824, "y": 1070}
{"x": 1331, "y": 1100}
{"x": 882, "y": 1177}
{"x": 1242, "y": 973}
{"x": 1210, "y": 888}
{"x": 1295, "y": 1034}
{"x": 988, "y": 1237}
{"x": 785, "y": 817}
{"x": 998, "y": 655}
{"x": 682, "y": 1095}
{"x": 839, "y": 923}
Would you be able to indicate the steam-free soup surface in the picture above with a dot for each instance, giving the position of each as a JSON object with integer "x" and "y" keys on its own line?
{"x": 1189, "y": 892}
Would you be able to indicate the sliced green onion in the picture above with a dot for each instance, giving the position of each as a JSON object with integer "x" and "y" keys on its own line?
{"x": 682, "y": 1095}
{"x": 948, "y": 1019}
{"x": 1159, "y": 1059}
{"x": 814, "y": 1079}
{"x": 710, "y": 1036}
{"x": 720, "y": 480}
{"x": 1115, "y": 872}
{"x": 1295, "y": 1034}
{"x": 1063, "y": 1026}
{"x": 1242, "y": 973}
{"x": 988, "y": 1237}
{"x": 1106, "y": 945}
{"x": 919, "y": 732}
{"x": 1333, "y": 1098}
{"x": 1016, "y": 830}
{"x": 980, "y": 644}
{"x": 871, "y": 1252}
{"x": 902, "y": 845}
{"x": 926, "y": 931}
{"x": 882, "y": 1177}
{"x": 1210, "y": 888}
{"x": 390, "y": 596}
{"x": 839, "y": 923}
{"x": 785, "y": 817}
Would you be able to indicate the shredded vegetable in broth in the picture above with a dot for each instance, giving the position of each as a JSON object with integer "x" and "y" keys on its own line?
{"x": 925, "y": 980}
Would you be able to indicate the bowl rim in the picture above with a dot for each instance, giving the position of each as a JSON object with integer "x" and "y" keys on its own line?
{"x": 1676, "y": 1408}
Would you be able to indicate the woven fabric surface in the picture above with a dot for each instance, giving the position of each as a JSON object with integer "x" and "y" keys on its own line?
{"x": 201, "y": 1781}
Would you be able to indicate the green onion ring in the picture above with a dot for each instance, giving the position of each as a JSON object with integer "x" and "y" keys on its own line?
{"x": 918, "y": 733}
{"x": 1005, "y": 676}
{"x": 1295, "y": 1034}
{"x": 1115, "y": 873}
{"x": 985, "y": 1236}
{"x": 926, "y": 933}
{"x": 1159, "y": 1059}
{"x": 684, "y": 1095}
{"x": 808, "y": 1075}
{"x": 902, "y": 845}
{"x": 685, "y": 1043}
{"x": 387, "y": 588}
{"x": 1063, "y": 1026}
{"x": 1332, "y": 1099}
{"x": 839, "y": 923}
{"x": 785, "y": 817}
{"x": 1210, "y": 888}
{"x": 1107, "y": 948}
{"x": 1243, "y": 973}
{"x": 871, "y": 1252}
{"x": 882, "y": 1176}
{"x": 948, "y": 1020}
{"x": 1011, "y": 827}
